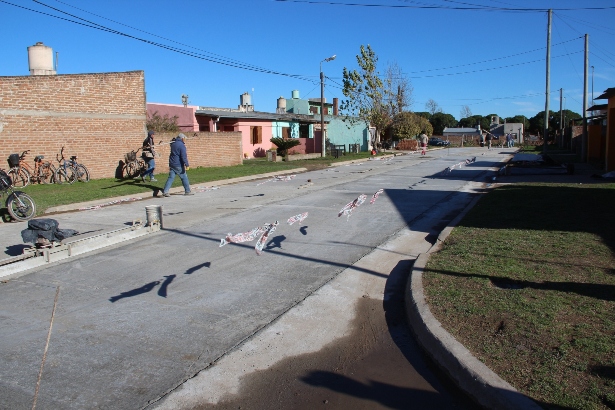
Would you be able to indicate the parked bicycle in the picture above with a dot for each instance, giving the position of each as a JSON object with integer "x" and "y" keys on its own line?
{"x": 70, "y": 170}
{"x": 22, "y": 174}
{"x": 133, "y": 165}
{"x": 20, "y": 205}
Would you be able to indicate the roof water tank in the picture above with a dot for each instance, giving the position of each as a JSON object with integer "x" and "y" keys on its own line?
{"x": 244, "y": 99}
{"x": 282, "y": 103}
{"x": 40, "y": 59}
{"x": 296, "y": 94}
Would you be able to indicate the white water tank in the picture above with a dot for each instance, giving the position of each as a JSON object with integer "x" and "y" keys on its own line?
{"x": 282, "y": 103}
{"x": 244, "y": 99}
{"x": 40, "y": 60}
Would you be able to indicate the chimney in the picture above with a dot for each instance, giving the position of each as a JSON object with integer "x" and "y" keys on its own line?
{"x": 335, "y": 103}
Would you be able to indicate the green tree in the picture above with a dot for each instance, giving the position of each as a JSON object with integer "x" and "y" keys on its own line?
{"x": 475, "y": 120}
{"x": 440, "y": 120}
{"x": 365, "y": 93}
{"x": 160, "y": 123}
{"x": 285, "y": 144}
{"x": 407, "y": 125}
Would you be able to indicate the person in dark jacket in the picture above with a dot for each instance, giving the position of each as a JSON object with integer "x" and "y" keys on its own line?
{"x": 148, "y": 156}
{"x": 178, "y": 165}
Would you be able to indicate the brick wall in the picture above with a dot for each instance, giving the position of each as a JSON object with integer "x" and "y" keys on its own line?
{"x": 205, "y": 149}
{"x": 98, "y": 117}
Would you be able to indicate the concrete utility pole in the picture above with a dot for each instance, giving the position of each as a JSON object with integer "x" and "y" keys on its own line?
{"x": 584, "y": 138}
{"x": 322, "y": 104}
{"x": 548, "y": 88}
{"x": 561, "y": 118}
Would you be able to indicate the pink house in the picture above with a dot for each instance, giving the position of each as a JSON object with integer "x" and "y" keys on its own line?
{"x": 257, "y": 128}
{"x": 186, "y": 118}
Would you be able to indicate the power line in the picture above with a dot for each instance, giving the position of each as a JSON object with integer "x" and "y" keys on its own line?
{"x": 493, "y": 59}
{"x": 100, "y": 27}
{"x": 155, "y": 35}
{"x": 435, "y": 7}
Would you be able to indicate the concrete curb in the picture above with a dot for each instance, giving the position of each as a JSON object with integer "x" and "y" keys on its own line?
{"x": 466, "y": 371}
{"x": 78, "y": 206}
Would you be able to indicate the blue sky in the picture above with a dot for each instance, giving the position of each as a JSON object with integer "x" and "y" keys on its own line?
{"x": 491, "y": 60}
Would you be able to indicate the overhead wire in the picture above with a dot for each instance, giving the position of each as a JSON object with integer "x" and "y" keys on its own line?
{"x": 436, "y": 7}
{"x": 161, "y": 37}
{"x": 90, "y": 24}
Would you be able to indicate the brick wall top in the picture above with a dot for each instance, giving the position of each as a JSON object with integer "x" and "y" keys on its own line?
{"x": 119, "y": 93}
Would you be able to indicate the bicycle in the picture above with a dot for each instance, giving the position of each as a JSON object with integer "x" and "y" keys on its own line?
{"x": 70, "y": 170}
{"x": 80, "y": 171}
{"x": 20, "y": 205}
{"x": 21, "y": 173}
{"x": 133, "y": 165}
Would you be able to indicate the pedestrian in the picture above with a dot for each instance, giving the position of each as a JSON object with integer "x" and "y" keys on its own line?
{"x": 148, "y": 156}
{"x": 423, "y": 138}
{"x": 489, "y": 138}
{"x": 178, "y": 165}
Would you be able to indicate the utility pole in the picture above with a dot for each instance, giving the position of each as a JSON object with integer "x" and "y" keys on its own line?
{"x": 561, "y": 118}
{"x": 584, "y": 138}
{"x": 548, "y": 87}
{"x": 322, "y": 104}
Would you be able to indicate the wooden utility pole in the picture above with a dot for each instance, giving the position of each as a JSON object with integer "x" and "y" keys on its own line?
{"x": 584, "y": 138}
{"x": 548, "y": 87}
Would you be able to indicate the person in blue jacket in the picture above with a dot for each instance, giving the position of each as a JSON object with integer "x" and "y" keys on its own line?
{"x": 178, "y": 165}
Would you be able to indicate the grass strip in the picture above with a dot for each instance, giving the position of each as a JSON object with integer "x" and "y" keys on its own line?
{"x": 527, "y": 283}
{"x": 47, "y": 196}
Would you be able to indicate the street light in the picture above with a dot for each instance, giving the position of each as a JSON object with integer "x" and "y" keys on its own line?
{"x": 322, "y": 103}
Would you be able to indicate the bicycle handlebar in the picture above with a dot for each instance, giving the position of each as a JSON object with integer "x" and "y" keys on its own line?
{"x": 23, "y": 154}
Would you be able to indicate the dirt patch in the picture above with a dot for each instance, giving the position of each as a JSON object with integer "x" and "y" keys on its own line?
{"x": 377, "y": 366}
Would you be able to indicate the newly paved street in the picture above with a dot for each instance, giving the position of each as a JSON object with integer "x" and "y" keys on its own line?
{"x": 133, "y": 323}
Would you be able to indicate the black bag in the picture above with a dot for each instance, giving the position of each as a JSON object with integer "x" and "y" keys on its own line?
{"x": 43, "y": 224}
{"x": 13, "y": 160}
{"x": 62, "y": 234}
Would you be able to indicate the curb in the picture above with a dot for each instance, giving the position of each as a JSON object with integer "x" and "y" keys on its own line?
{"x": 471, "y": 375}
{"x": 79, "y": 205}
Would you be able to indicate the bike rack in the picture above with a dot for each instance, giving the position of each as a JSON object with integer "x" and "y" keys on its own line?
{"x": 34, "y": 257}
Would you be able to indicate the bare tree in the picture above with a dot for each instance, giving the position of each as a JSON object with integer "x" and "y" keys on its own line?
{"x": 466, "y": 112}
{"x": 432, "y": 107}
{"x": 397, "y": 90}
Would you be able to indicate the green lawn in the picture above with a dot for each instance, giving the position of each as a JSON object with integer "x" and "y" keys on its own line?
{"x": 46, "y": 196}
{"x": 527, "y": 283}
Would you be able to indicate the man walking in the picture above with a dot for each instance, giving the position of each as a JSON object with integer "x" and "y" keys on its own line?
{"x": 178, "y": 165}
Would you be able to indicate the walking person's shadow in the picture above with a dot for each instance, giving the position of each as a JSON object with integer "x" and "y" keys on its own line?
{"x": 134, "y": 292}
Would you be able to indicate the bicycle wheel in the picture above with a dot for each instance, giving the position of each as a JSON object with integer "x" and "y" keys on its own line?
{"x": 20, "y": 206}
{"x": 82, "y": 173}
{"x": 20, "y": 176}
{"x": 64, "y": 176}
{"x": 45, "y": 173}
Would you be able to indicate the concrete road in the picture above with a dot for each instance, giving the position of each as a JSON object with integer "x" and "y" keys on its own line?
{"x": 133, "y": 323}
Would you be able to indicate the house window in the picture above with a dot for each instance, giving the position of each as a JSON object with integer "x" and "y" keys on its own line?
{"x": 314, "y": 110}
{"x": 285, "y": 133}
{"x": 304, "y": 131}
{"x": 229, "y": 128}
{"x": 257, "y": 135}
{"x": 204, "y": 128}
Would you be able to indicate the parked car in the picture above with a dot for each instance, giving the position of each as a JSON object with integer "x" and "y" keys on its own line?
{"x": 438, "y": 142}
